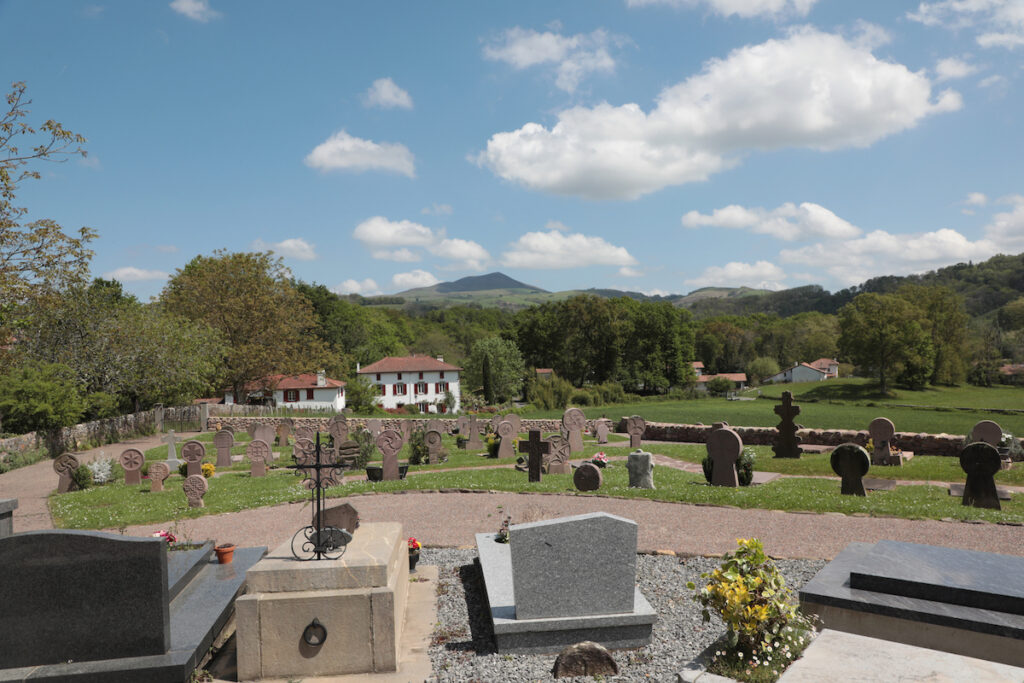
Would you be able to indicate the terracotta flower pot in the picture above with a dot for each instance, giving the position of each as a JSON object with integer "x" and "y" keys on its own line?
{"x": 225, "y": 553}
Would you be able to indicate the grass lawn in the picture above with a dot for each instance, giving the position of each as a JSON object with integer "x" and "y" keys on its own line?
{"x": 857, "y": 389}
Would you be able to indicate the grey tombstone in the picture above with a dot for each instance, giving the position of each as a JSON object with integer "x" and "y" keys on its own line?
{"x": 304, "y": 431}
{"x": 435, "y": 425}
{"x": 374, "y": 427}
{"x": 7, "y": 508}
{"x": 193, "y": 453}
{"x": 787, "y": 442}
{"x": 517, "y": 422}
{"x": 204, "y": 417}
{"x": 641, "y": 470}
{"x": 851, "y": 462}
{"x": 635, "y": 427}
{"x": 223, "y": 441}
{"x": 338, "y": 428}
{"x": 195, "y": 488}
{"x": 132, "y": 460}
{"x": 988, "y": 432}
{"x": 251, "y": 428}
{"x": 462, "y": 424}
{"x": 724, "y": 447}
{"x": 601, "y": 431}
{"x": 158, "y": 472}
{"x": 172, "y": 450}
{"x": 342, "y": 516}
{"x": 981, "y": 462}
{"x": 573, "y": 422}
{"x": 574, "y": 566}
{"x": 881, "y": 431}
{"x": 228, "y": 428}
{"x": 557, "y": 460}
{"x": 265, "y": 433}
{"x": 587, "y": 477}
{"x": 65, "y": 466}
{"x": 495, "y": 421}
{"x": 474, "y": 443}
{"x": 258, "y": 451}
{"x": 507, "y": 433}
{"x": 284, "y": 430}
{"x": 432, "y": 439}
{"x": 389, "y": 443}
{"x": 346, "y": 453}
{"x": 303, "y": 449}
{"x": 534, "y": 448}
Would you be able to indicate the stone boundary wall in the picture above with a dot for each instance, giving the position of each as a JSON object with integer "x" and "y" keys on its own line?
{"x": 242, "y": 423}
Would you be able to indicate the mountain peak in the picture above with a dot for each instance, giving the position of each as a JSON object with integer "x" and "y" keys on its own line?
{"x": 476, "y": 283}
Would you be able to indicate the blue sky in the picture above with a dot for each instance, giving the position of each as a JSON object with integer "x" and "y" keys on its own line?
{"x": 651, "y": 145}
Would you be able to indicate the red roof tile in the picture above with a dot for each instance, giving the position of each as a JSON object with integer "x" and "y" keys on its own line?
{"x": 305, "y": 381}
{"x": 731, "y": 376}
{"x": 407, "y": 364}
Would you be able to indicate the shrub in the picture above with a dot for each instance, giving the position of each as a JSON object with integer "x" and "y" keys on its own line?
{"x": 550, "y": 394}
{"x": 580, "y": 397}
{"x": 102, "y": 471}
{"x": 183, "y": 469}
{"x": 418, "y": 448}
{"x": 208, "y": 469}
{"x": 719, "y": 386}
{"x": 744, "y": 467}
{"x": 493, "y": 443}
{"x": 366, "y": 447}
{"x": 82, "y": 477}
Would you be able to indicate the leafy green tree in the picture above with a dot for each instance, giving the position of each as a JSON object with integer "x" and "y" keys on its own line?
{"x": 40, "y": 397}
{"x": 1011, "y": 316}
{"x": 760, "y": 368}
{"x": 360, "y": 394}
{"x": 496, "y": 365}
{"x": 719, "y": 386}
{"x": 947, "y": 325}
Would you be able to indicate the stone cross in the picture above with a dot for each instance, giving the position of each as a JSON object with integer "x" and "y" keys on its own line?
{"x": 374, "y": 427}
{"x": 132, "y": 460}
{"x": 65, "y": 466}
{"x": 987, "y": 431}
{"x": 193, "y": 453}
{"x": 724, "y": 447}
{"x": 223, "y": 441}
{"x": 432, "y": 439}
{"x": 535, "y": 448}
{"x": 158, "y": 472}
{"x": 641, "y": 470}
{"x": 557, "y": 459}
{"x": 882, "y": 430}
{"x": 474, "y": 443}
{"x": 787, "y": 443}
{"x": 258, "y": 452}
{"x": 389, "y": 443}
{"x": 507, "y": 433}
{"x": 635, "y": 427}
{"x": 981, "y": 462}
{"x": 195, "y": 488}
{"x": 851, "y": 462}
{"x": 601, "y": 431}
{"x": 172, "y": 449}
{"x": 573, "y": 421}
{"x": 587, "y": 477}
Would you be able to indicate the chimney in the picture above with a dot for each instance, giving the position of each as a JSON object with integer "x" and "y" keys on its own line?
{"x": 440, "y": 358}
{"x": 357, "y": 366}
{"x": 321, "y": 378}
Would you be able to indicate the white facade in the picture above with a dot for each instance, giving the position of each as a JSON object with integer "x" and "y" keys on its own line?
{"x": 300, "y": 392}
{"x": 798, "y": 373}
{"x": 425, "y": 389}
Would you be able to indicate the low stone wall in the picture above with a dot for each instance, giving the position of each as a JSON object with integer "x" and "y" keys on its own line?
{"x": 448, "y": 424}
{"x": 109, "y": 430}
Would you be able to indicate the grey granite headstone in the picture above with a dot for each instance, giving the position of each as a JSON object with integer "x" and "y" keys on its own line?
{"x": 987, "y": 431}
{"x": 193, "y": 453}
{"x": 132, "y": 460}
{"x": 574, "y": 566}
{"x": 573, "y": 422}
{"x": 587, "y": 477}
{"x": 506, "y": 448}
{"x": 66, "y": 597}
{"x": 981, "y": 462}
{"x": 635, "y": 427}
{"x": 557, "y": 458}
{"x": 601, "y": 431}
{"x": 724, "y": 447}
{"x": 851, "y": 462}
{"x": 7, "y": 508}
{"x": 882, "y": 431}
{"x": 474, "y": 443}
{"x": 641, "y": 470}
{"x": 223, "y": 441}
{"x": 432, "y": 439}
{"x": 172, "y": 450}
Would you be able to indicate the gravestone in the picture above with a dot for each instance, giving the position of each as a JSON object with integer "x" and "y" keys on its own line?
{"x": 284, "y": 430}
{"x": 507, "y": 433}
{"x": 573, "y": 422}
{"x": 342, "y": 516}
{"x": 158, "y": 472}
{"x": 65, "y": 466}
{"x": 193, "y": 453}
{"x": 405, "y": 427}
{"x": 305, "y": 456}
{"x": 223, "y": 441}
{"x": 787, "y": 443}
{"x": 981, "y": 462}
{"x": 557, "y": 459}
{"x": 635, "y": 427}
{"x": 462, "y": 424}
{"x": 587, "y": 477}
{"x": 601, "y": 431}
{"x": 374, "y": 427}
{"x": 432, "y": 440}
{"x": 882, "y": 431}
{"x": 195, "y": 488}
{"x": 347, "y": 453}
{"x": 435, "y": 425}
{"x": 265, "y": 433}
{"x": 228, "y": 428}
{"x": 585, "y": 658}
{"x": 7, "y": 508}
{"x": 172, "y": 449}
{"x": 258, "y": 452}
{"x": 641, "y": 470}
{"x": 250, "y": 429}
{"x": 304, "y": 431}
{"x": 303, "y": 449}
{"x": 535, "y": 449}
{"x": 495, "y": 421}
{"x": 389, "y": 443}
{"x": 338, "y": 428}
{"x": 987, "y": 431}
{"x": 132, "y": 460}
{"x": 724, "y": 447}
{"x": 517, "y": 422}
{"x": 474, "y": 443}
{"x": 851, "y": 462}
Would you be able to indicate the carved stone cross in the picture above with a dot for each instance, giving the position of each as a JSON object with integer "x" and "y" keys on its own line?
{"x": 536, "y": 449}
{"x": 787, "y": 443}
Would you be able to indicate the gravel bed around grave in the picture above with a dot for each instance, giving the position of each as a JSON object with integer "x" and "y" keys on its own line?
{"x": 462, "y": 647}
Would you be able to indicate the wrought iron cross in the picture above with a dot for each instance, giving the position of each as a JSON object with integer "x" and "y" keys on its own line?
{"x": 319, "y": 541}
{"x": 536, "y": 448}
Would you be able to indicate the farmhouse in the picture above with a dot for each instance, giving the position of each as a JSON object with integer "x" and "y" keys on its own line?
{"x": 801, "y": 372}
{"x": 830, "y": 366}
{"x": 738, "y": 379}
{"x": 296, "y": 391}
{"x": 414, "y": 380}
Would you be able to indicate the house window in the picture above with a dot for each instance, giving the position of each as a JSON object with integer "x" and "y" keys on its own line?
{"x": 424, "y": 407}
{"x": 309, "y": 394}
{"x": 291, "y": 395}
{"x": 400, "y": 390}
{"x": 383, "y": 389}
{"x": 442, "y": 374}
{"x": 399, "y": 375}
{"x": 378, "y": 376}
{"x": 421, "y": 375}
{"x": 421, "y": 387}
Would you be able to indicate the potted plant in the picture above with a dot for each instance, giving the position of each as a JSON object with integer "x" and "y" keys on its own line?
{"x": 225, "y": 553}
{"x": 414, "y": 553}
{"x": 600, "y": 459}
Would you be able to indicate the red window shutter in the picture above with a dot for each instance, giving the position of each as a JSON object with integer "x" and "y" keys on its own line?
{"x": 383, "y": 389}
{"x": 309, "y": 394}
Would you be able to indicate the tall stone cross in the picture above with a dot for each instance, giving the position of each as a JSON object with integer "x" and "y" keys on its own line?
{"x": 787, "y": 443}
{"x": 536, "y": 449}
{"x": 172, "y": 448}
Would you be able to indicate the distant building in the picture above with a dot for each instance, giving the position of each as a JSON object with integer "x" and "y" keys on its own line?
{"x": 830, "y": 366}
{"x": 698, "y": 368}
{"x": 414, "y": 380}
{"x": 295, "y": 391}
{"x": 738, "y": 379}
{"x": 801, "y": 372}
{"x": 545, "y": 373}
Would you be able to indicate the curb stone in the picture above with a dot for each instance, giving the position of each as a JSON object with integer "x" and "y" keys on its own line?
{"x": 696, "y": 671}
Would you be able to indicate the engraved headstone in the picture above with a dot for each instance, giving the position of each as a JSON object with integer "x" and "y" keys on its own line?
{"x": 587, "y": 477}
{"x": 389, "y": 443}
{"x": 258, "y": 452}
{"x": 601, "y": 431}
{"x": 374, "y": 427}
{"x": 851, "y": 462}
{"x": 347, "y": 453}
{"x": 172, "y": 449}
{"x": 787, "y": 443}
{"x": 432, "y": 439}
{"x": 304, "y": 453}
{"x": 557, "y": 459}
{"x": 981, "y": 462}
{"x": 641, "y": 470}
{"x": 635, "y": 427}
{"x": 342, "y": 516}
{"x": 65, "y": 466}
{"x": 507, "y": 434}
{"x": 193, "y": 452}
{"x": 195, "y": 488}
{"x": 535, "y": 449}
{"x": 158, "y": 472}
{"x": 987, "y": 431}
{"x": 223, "y": 441}
{"x": 474, "y": 443}
{"x": 265, "y": 432}
{"x": 284, "y": 430}
{"x": 882, "y": 431}
{"x": 462, "y": 424}
{"x": 724, "y": 447}
{"x": 495, "y": 421}
{"x": 132, "y": 460}
{"x": 303, "y": 449}
{"x": 305, "y": 431}
{"x": 573, "y": 421}
{"x": 338, "y": 428}
{"x": 250, "y": 429}
{"x": 517, "y": 422}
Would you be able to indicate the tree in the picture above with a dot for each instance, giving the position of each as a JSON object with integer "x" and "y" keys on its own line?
{"x": 267, "y": 324}
{"x": 719, "y": 386}
{"x": 944, "y": 310}
{"x": 496, "y": 365}
{"x": 36, "y": 257}
{"x": 40, "y": 397}
{"x": 360, "y": 394}
{"x": 885, "y": 335}
{"x": 760, "y": 368}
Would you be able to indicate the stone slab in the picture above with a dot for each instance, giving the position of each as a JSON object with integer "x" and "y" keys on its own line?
{"x": 875, "y": 484}
{"x": 959, "y": 577}
{"x": 866, "y": 660}
{"x": 958, "y": 491}
{"x": 551, "y": 634}
{"x": 183, "y": 565}
{"x": 764, "y": 477}
{"x": 7, "y": 508}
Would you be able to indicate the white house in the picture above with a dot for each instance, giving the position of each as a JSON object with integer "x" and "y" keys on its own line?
{"x": 298, "y": 391}
{"x": 414, "y": 380}
{"x": 830, "y": 366}
{"x": 738, "y": 379}
{"x": 801, "y": 372}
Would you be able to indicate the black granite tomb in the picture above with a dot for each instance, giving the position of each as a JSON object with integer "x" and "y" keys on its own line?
{"x": 981, "y": 462}
{"x": 851, "y": 462}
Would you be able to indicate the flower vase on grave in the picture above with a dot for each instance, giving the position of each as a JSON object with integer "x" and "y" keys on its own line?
{"x": 414, "y": 553}
{"x": 225, "y": 553}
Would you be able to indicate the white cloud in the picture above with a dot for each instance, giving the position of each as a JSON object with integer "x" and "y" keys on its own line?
{"x": 465, "y": 253}
{"x": 197, "y": 10}
{"x": 811, "y": 89}
{"x": 740, "y": 8}
{"x": 993, "y": 80}
{"x": 295, "y": 248}
{"x": 557, "y": 225}
{"x": 1007, "y": 228}
{"x": 788, "y": 222}
{"x": 760, "y": 275}
{"x": 167, "y": 248}
{"x": 389, "y": 240}
{"x": 386, "y": 95}
{"x": 626, "y": 271}
{"x": 557, "y": 249}
{"x": 366, "y": 287}
{"x": 342, "y": 151}
{"x": 1000, "y": 23}
{"x": 413, "y": 279}
{"x": 574, "y": 57}
{"x": 952, "y": 68}
{"x": 976, "y": 199}
{"x": 133, "y": 274}
{"x": 437, "y": 210}
{"x": 381, "y": 232}
{"x": 402, "y": 255}
{"x": 654, "y": 292}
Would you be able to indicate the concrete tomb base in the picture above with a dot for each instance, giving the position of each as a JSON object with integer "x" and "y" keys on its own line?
{"x": 360, "y": 599}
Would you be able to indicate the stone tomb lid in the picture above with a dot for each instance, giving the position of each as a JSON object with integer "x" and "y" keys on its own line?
{"x": 574, "y": 566}
{"x": 958, "y": 577}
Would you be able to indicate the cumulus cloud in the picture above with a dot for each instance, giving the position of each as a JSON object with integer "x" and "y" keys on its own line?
{"x": 556, "y": 249}
{"x": 992, "y": 81}
{"x": 465, "y": 254}
{"x": 788, "y": 222}
{"x": 413, "y": 279}
{"x": 811, "y": 89}
{"x": 402, "y": 255}
{"x": 437, "y": 210}
{"x": 345, "y": 152}
{"x": 133, "y": 274}
{"x": 952, "y": 68}
{"x": 573, "y": 57}
{"x": 381, "y": 232}
{"x": 999, "y": 23}
{"x": 386, "y": 95}
{"x": 390, "y": 240}
{"x": 626, "y": 271}
{"x": 197, "y": 10}
{"x": 976, "y": 199}
{"x": 759, "y": 275}
{"x": 740, "y": 8}
{"x": 295, "y": 248}
{"x": 365, "y": 287}
{"x": 557, "y": 225}
{"x": 1007, "y": 227}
